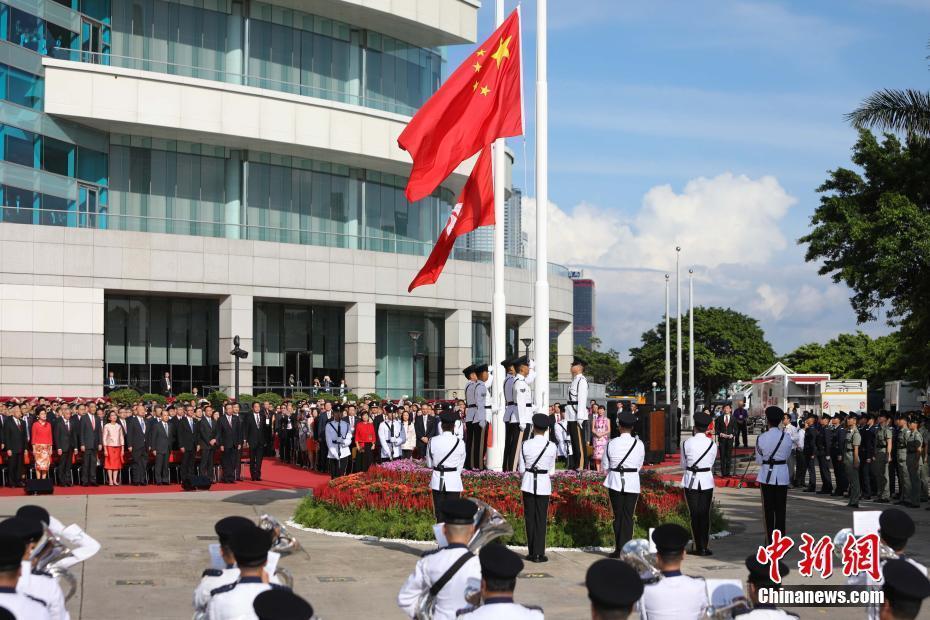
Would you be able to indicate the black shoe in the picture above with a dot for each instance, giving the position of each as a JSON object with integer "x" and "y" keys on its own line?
{"x": 882, "y": 501}
{"x": 809, "y": 491}
{"x": 529, "y": 558}
{"x": 852, "y": 505}
{"x": 824, "y": 492}
{"x": 541, "y": 558}
{"x": 616, "y": 554}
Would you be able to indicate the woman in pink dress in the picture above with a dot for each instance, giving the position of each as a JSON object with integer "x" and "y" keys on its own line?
{"x": 600, "y": 428}
{"x": 42, "y": 444}
{"x": 113, "y": 442}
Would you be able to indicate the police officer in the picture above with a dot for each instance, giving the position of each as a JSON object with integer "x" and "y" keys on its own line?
{"x": 905, "y": 589}
{"x": 250, "y": 545}
{"x": 882, "y": 460}
{"x": 482, "y": 414}
{"x": 675, "y": 595}
{"x": 822, "y": 447}
{"x": 338, "y": 442}
{"x": 280, "y": 604}
{"x": 852, "y": 442}
{"x": 576, "y": 412}
{"x": 36, "y": 584}
{"x": 867, "y": 455}
{"x": 836, "y": 434}
{"x": 213, "y": 578}
{"x": 471, "y": 414}
{"x": 900, "y": 455}
{"x": 537, "y": 460}
{"x": 453, "y": 564}
{"x": 914, "y": 449}
{"x": 445, "y": 454}
{"x": 20, "y": 604}
{"x": 613, "y": 589}
{"x": 623, "y": 458}
{"x": 772, "y": 449}
{"x": 499, "y": 569}
{"x": 511, "y": 419}
{"x": 759, "y": 577}
{"x": 809, "y": 452}
{"x": 697, "y": 461}
{"x": 924, "y": 471}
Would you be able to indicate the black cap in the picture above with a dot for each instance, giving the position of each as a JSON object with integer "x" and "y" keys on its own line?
{"x": 6, "y": 614}
{"x": 250, "y": 545}
{"x": 281, "y": 604}
{"x": 28, "y": 530}
{"x": 541, "y": 420}
{"x": 337, "y": 407}
{"x": 481, "y": 368}
{"x": 507, "y": 363}
{"x": 459, "y": 511}
{"x": 702, "y": 419}
{"x": 34, "y": 513}
{"x": 497, "y": 561}
{"x": 447, "y": 407}
{"x": 895, "y": 524}
{"x": 579, "y": 362}
{"x": 12, "y": 549}
{"x": 468, "y": 370}
{"x": 626, "y": 419}
{"x": 613, "y": 585}
{"x": 904, "y": 581}
{"x": 759, "y": 573}
{"x": 670, "y": 538}
{"x": 774, "y": 415}
{"x": 225, "y": 527}
{"x": 825, "y": 416}
{"x": 521, "y": 361}
{"x": 448, "y": 417}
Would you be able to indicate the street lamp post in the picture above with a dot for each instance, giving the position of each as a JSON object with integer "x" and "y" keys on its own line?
{"x": 526, "y": 343}
{"x": 414, "y": 336}
{"x": 239, "y": 354}
{"x": 654, "y": 385}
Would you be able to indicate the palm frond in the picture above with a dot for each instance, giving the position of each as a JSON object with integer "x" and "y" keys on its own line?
{"x": 906, "y": 111}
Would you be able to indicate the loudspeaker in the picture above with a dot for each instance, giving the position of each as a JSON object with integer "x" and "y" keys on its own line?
{"x": 197, "y": 483}
{"x": 39, "y": 487}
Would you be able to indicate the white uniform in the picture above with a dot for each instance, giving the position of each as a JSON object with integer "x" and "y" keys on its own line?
{"x": 541, "y": 452}
{"x": 338, "y": 439}
{"x": 504, "y": 609}
{"x": 674, "y": 597}
{"x": 459, "y": 430}
{"x": 450, "y": 478}
{"x": 482, "y": 406}
{"x": 428, "y": 570}
{"x": 767, "y": 614}
{"x": 698, "y": 452}
{"x": 22, "y": 605}
{"x": 576, "y": 409}
{"x": 523, "y": 396}
{"x": 471, "y": 408}
{"x": 510, "y": 410}
{"x": 43, "y": 587}
{"x": 629, "y": 451}
{"x": 773, "y": 445}
{"x": 561, "y": 439}
{"x": 211, "y": 579}
{"x": 83, "y": 547}
{"x": 234, "y": 601}
{"x": 864, "y": 579}
{"x": 391, "y": 436}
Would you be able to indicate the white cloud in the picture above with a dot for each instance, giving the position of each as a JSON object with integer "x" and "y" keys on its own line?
{"x": 769, "y": 301}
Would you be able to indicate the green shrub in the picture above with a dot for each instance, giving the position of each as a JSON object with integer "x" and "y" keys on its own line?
{"x": 352, "y": 396}
{"x": 245, "y": 401}
{"x": 185, "y": 397}
{"x": 271, "y": 397}
{"x": 217, "y": 398}
{"x": 299, "y": 396}
{"x": 124, "y": 396}
{"x": 155, "y": 398}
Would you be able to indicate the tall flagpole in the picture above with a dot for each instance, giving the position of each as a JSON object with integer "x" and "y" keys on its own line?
{"x": 678, "y": 397}
{"x": 668, "y": 350}
{"x": 541, "y": 311}
{"x": 690, "y": 346}
{"x": 498, "y": 302}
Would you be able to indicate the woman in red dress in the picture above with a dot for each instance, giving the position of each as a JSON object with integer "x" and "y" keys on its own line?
{"x": 42, "y": 444}
{"x": 365, "y": 441}
{"x": 113, "y": 442}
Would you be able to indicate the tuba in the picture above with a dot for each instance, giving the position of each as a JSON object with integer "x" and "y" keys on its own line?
{"x": 489, "y": 526}
{"x": 282, "y": 541}
{"x": 839, "y": 541}
{"x": 740, "y": 604}
{"x": 46, "y": 557}
{"x": 636, "y": 553}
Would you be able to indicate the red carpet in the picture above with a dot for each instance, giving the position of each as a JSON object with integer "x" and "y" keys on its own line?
{"x": 275, "y": 476}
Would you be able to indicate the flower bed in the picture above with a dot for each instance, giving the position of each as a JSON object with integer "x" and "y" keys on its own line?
{"x": 394, "y": 501}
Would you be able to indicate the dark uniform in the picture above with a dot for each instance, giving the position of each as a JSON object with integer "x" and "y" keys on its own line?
{"x": 901, "y": 456}
{"x": 880, "y": 465}
{"x": 822, "y": 448}
{"x": 867, "y": 457}
{"x": 852, "y": 445}
{"x": 837, "y": 442}
{"x": 810, "y": 454}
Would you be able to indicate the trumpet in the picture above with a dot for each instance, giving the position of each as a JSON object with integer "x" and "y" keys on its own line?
{"x": 636, "y": 553}
{"x": 282, "y": 542}
{"x": 839, "y": 541}
{"x": 739, "y": 604}
{"x": 47, "y": 557}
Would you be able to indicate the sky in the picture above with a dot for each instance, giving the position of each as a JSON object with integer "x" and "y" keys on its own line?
{"x": 706, "y": 124}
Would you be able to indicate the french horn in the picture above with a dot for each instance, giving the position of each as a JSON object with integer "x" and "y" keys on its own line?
{"x": 839, "y": 541}
{"x": 739, "y": 604}
{"x": 636, "y": 553}
{"x": 282, "y": 540}
{"x": 47, "y": 557}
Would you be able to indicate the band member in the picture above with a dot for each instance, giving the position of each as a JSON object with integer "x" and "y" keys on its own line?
{"x": 250, "y": 545}
{"x": 482, "y": 414}
{"x": 16, "y": 604}
{"x": 471, "y": 413}
{"x": 772, "y": 449}
{"x": 391, "y": 437}
{"x": 675, "y": 595}
{"x": 905, "y": 589}
{"x": 338, "y": 440}
{"x": 446, "y": 456}
{"x": 213, "y": 578}
{"x": 613, "y": 589}
{"x": 852, "y": 443}
{"x": 39, "y": 585}
{"x": 499, "y": 569}
{"x": 511, "y": 417}
{"x": 697, "y": 463}
{"x": 537, "y": 460}
{"x": 760, "y": 577}
{"x": 454, "y": 564}
{"x": 576, "y": 412}
{"x": 622, "y": 461}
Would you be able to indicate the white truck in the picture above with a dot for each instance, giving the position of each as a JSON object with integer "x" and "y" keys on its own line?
{"x": 904, "y": 396}
{"x": 843, "y": 395}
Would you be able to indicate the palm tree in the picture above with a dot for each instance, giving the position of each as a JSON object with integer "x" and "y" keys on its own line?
{"x": 907, "y": 111}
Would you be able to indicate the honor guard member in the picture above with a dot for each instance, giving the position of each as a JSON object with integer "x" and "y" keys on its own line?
{"x": 250, "y": 545}
{"x": 772, "y": 450}
{"x": 36, "y": 584}
{"x": 482, "y": 414}
{"x": 82, "y": 546}
{"x": 391, "y": 437}
{"x": 523, "y": 397}
{"x": 281, "y": 604}
{"x": 499, "y": 569}
{"x": 905, "y": 589}
{"x": 697, "y": 462}
{"x": 914, "y": 449}
{"x": 901, "y": 455}
{"x": 852, "y": 461}
{"x": 447, "y": 572}
{"x": 537, "y": 460}
{"x": 613, "y": 589}
{"x": 759, "y": 577}
{"x": 675, "y": 596}
{"x": 511, "y": 419}
{"x": 623, "y": 458}
{"x": 471, "y": 414}
{"x": 445, "y": 454}
{"x": 213, "y": 578}
{"x": 882, "y": 460}
{"x": 21, "y": 605}
{"x": 338, "y": 443}
{"x": 576, "y": 412}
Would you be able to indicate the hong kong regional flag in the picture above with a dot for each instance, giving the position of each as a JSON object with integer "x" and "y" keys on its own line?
{"x": 479, "y": 103}
{"x": 474, "y": 208}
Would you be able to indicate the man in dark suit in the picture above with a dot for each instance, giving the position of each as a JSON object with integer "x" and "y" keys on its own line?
{"x": 110, "y": 384}
{"x": 167, "y": 385}
{"x": 206, "y": 439}
{"x": 253, "y": 435}
{"x": 726, "y": 433}
{"x": 90, "y": 432}
{"x": 64, "y": 435}
{"x": 229, "y": 440}
{"x": 325, "y": 416}
{"x": 159, "y": 441}
{"x": 187, "y": 442}
{"x": 268, "y": 430}
{"x": 425, "y": 427}
{"x": 14, "y": 443}
{"x": 137, "y": 430}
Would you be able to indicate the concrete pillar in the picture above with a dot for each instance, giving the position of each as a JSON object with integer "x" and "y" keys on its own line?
{"x": 566, "y": 349}
{"x": 360, "y": 355}
{"x": 233, "y": 196}
{"x": 236, "y": 320}
{"x": 234, "y": 45}
{"x": 457, "y": 351}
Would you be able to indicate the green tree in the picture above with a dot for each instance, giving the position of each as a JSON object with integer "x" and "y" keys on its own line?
{"x": 872, "y": 232}
{"x": 601, "y": 367}
{"x": 728, "y": 346}
{"x": 850, "y": 356}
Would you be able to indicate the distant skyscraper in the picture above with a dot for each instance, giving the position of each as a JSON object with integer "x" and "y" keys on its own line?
{"x": 583, "y": 294}
{"x": 479, "y": 244}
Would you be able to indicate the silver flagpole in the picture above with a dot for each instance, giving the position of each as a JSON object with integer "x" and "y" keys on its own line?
{"x": 690, "y": 347}
{"x": 679, "y": 399}
{"x": 668, "y": 350}
{"x": 541, "y": 311}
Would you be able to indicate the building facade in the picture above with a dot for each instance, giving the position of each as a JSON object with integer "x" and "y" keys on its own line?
{"x": 175, "y": 173}
{"x": 583, "y": 311}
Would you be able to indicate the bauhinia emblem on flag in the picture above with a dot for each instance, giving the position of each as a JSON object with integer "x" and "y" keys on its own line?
{"x": 475, "y": 207}
{"x": 479, "y": 103}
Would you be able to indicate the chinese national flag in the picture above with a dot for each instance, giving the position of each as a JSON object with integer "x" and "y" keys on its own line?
{"x": 478, "y": 104}
{"x": 474, "y": 208}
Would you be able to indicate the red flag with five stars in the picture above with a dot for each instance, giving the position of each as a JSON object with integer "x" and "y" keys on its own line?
{"x": 479, "y": 103}
{"x": 475, "y": 207}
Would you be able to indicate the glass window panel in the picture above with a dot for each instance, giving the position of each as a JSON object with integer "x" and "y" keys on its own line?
{"x": 58, "y": 156}
{"x": 18, "y": 205}
{"x": 200, "y": 317}
{"x": 55, "y": 210}
{"x": 92, "y": 166}
{"x": 19, "y": 146}
{"x": 296, "y": 326}
{"x": 114, "y": 331}
{"x": 25, "y": 29}
{"x": 56, "y": 41}
{"x": 158, "y": 331}
{"x": 23, "y": 88}
{"x": 138, "y": 331}
{"x": 180, "y": 325}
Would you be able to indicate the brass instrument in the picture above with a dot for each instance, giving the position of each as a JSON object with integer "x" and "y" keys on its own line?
{"x": 739, "y": 604}
{"x": 636, "y": 553}
{"x": 46, "y": 557}
{"x": 283, "y": 542}
{"x": 489, "y": 526}
{"x": 839, "y": 541}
